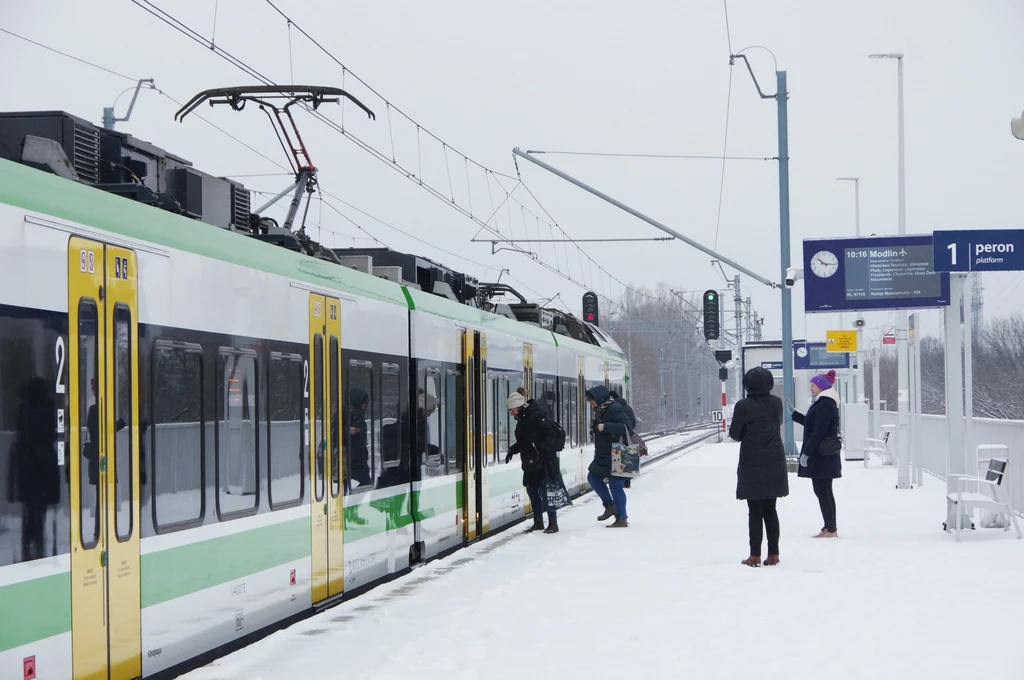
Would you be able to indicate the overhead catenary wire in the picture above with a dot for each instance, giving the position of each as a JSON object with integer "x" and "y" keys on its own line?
{"x": 725, "y": 141}
{"x": 612, "y": 154}
{"x": 195, "y": 36}
{"x": 321, "y": 192}
{"x": 69, "y": 56}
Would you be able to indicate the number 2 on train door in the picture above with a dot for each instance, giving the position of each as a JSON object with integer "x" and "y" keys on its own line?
{"x": 103, "y": 455}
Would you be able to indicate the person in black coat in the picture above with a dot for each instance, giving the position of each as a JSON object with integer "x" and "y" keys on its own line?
{"x": 820, "y": 423}
{"x": 357, "y": 451}
{"x": 632, "y": 420}
{"x": 538, "y": 454}
{"x": 761, "y": 473}
{"x": 611, "y": 424}
{"x": 629, "y": 409}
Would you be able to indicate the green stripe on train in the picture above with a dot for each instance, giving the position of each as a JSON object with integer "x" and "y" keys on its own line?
{"x": 42, "y": 607}
{"x": 34, "y": 610}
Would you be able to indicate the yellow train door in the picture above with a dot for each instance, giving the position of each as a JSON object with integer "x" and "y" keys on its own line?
{"x": 528, "y": 370}
{"x": 485, "y": 440}
{"x": 325, "y": 454}
{"x": 471, "y": 513}
{"x": 103, "y": 426}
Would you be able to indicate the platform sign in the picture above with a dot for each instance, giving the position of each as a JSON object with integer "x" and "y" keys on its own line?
{"x": 814, "y": 356}
{"x": 882, "y": 272}
{"x": 841, "y": 341}
{"x": 772, "y": 365}
{"x": 979, "y": 250}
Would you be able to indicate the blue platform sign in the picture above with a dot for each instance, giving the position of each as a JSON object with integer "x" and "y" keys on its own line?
{"x": 979, "y": 250}
{"x": 813, "y": 356}
{"x": 878, "y": 272}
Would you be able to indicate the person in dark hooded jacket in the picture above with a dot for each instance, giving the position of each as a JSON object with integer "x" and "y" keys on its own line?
{"x": 357, "y": 453}
{"x": 761, "y": 475}
{"x": 538, "y": 452}
{"x": 611, "y": 424}
{"x": 629, "y": 409}
{"x": 632, "y": 420}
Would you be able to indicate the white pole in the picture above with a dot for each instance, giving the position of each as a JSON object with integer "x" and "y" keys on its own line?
{"x": 876, "y": 387}
{"x": 917, "y": 390}
{"x": 970, "y": 450}
{"x": 903, "y": 400}
{"x": 860, "y": 315}
{"x": 954, "y": 390}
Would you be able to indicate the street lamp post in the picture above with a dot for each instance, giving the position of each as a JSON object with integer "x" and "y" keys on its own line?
{"x": 903, "y": 349}
{"x": 858, "y": 387}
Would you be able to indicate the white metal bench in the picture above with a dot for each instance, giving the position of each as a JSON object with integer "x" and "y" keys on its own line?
{"x": 879, "y": 446}
{"x": 991, "y": 495}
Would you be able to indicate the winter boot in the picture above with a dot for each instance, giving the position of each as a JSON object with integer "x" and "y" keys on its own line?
{"x": 753, "y": 561}
{"x": 552, "y": 526}
{"x": 619, "y": 523}
{"x": 609, "y": 510}
{"x": 538, "y": 522}
{"x": 771, "y": 561}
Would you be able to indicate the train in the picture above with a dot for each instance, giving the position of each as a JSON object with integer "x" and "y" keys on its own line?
{"x": 208, "y": 431}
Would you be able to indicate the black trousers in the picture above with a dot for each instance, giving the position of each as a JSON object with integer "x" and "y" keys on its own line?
{"x": 762, "y": 512}
{"x": 827, "y": 502}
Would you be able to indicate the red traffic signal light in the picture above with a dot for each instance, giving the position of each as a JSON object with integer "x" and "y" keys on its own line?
{"x": 590, "y": 311}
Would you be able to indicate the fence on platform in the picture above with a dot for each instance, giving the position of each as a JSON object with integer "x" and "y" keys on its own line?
{"x": 930, "y": 442}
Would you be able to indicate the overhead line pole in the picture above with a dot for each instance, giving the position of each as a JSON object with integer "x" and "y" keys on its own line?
{"x": 650, "y": 220}
{"x": 781, "y": 97}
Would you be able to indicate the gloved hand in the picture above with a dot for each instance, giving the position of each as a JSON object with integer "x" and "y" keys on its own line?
{"x": 508, "y": 459}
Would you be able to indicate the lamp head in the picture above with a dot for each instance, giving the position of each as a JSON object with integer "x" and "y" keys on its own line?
{"x": 1017, "y": 127}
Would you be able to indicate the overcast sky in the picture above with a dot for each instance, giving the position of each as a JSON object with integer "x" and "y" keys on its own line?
{"x": 582, "y": 76}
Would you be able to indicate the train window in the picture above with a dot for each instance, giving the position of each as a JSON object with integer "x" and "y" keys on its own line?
{"x": 455, "y": 416}
{"x": 390, "y": 409}
{"x": 429, "y": 419}
{"x": 178, "y": 428}
{"x": 319, "y": 438}
{"x": 237, "y": 433}
{"x": 123, "y": 425}
{"x": 489, "y": 448}
{"x": 501, "y": 397}
{"x": 334, "y": 407}
{"x": 88, "y": 373}
{"x": 515, "y": 381}
{"x": 286, "y": 441}
{"x": 358, "y": 426}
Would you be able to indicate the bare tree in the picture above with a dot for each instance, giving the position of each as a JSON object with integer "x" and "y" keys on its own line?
{"x": 674, "y": 374}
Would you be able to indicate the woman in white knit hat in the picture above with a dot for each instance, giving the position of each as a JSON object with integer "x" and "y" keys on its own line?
{"x": 537, "y": 448}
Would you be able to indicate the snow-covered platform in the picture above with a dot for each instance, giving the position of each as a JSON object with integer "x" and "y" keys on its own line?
{"x": 893, "y": 597}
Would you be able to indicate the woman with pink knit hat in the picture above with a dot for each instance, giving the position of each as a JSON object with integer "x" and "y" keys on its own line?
{"x": 820, "y": 460}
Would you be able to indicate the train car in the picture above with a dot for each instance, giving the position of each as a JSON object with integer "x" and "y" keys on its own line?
{"x": 205, "y": 436}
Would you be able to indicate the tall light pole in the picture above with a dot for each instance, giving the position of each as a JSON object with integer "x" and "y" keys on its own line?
{"x": 859, "y": 388}
{"x": 903, "y": 350}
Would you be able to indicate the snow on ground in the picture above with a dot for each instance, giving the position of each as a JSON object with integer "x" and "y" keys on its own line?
{"x": 893, "y": 597}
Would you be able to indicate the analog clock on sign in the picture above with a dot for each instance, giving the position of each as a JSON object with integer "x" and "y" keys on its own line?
{"x": 824, "y": 264}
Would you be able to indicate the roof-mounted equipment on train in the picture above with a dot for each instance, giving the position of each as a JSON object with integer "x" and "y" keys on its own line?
{"x": 119, "y": 163}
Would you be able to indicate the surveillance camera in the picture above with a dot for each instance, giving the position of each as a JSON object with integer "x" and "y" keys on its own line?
{"x": 793, "y": 274}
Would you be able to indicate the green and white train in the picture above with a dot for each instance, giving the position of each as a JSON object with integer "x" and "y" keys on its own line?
{"x": 182, "y": 464}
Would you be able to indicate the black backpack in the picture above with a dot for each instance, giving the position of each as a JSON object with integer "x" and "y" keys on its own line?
{"x": 558, "y": 435}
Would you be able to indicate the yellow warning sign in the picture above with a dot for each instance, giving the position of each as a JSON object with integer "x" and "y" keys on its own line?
{"x": 841, "y": 341}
